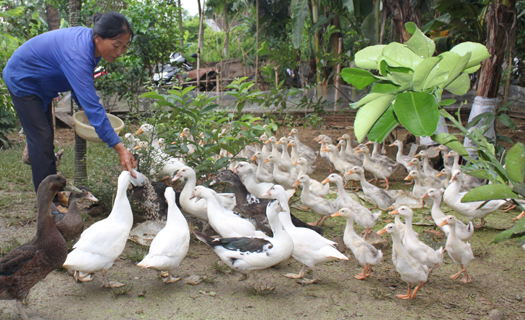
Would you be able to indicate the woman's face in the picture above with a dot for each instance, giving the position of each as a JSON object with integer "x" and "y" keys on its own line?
{"x": 111, "y": 49}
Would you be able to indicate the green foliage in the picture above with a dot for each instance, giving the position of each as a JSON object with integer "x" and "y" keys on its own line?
{"x": 218, "y": 130}
{"x": 411, "y": 80}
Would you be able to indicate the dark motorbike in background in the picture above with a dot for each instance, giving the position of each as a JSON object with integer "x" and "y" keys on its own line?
{"x": 180, "y": 69}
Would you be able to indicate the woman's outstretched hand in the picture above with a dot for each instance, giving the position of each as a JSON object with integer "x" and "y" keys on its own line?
{"x": 127, "y": 161}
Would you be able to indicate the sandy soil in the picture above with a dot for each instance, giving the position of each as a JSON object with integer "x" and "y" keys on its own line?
{"x": 497, "y": 290}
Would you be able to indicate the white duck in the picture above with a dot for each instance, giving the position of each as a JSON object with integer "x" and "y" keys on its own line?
{"x": 101, "y": 244}
{"x": 418, "y": 249}
{"x": 410, "y": 270}
{"x": 426, "y": 180}
{"x": 367, "y": 255}
{"x": 317, "y": 188}
{"x": 246, "y": 170}
{"x": 263, "y": 173}
{"x": 362, "y": 216}
{"x": 195, "y": 207}
{"x": 380, "y": 197}
{"x": 452, "y": 198}
{"x": 459, "y": 251}
{"x": 349, "y": 150}
{"x": 245, "y": 254}
{"x": 341, "y": 165}
{"x": 418, "y": 190}
{"x": 463, "y": 231}
{"x": 428, "y": 169}
{"x": 224, "y": 221}
{"x": 380, "y": 169}
{"x": 188, "y": 139}
{"x": 171, "y": 244}
{"x": 309, "y": 247}
{"x": 447, "y": 161}
{"x": 286, "y": 161}
{"x": 303, "y": 150}
{"x": 400, "y": 157}
{"x": 282, "y": 177}
{"x": 319, "y": 205}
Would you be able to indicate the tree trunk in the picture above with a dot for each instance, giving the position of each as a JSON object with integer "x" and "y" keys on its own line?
{"x": 226, "y": 29}
{"x": 501, "y": 20}
{"x": 52, "y": 17}
{"x": 199, "y": 46}
{"x": 181, "y": 30}
{"x": 257, "y": 45}
{"x": 74, "y": 12}
{"x": 401, "y": 12}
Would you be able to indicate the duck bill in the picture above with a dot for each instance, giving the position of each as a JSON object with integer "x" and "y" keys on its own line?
{"x": 358, "y": 151}
{"x": 447, "y": 156}
{"x": 382, "y": 231}
{"x": 265, "y": 161}
{"x": 356, "y": 148}
{"x": 214, "y": 181}
{"x": 392, "y": 144}
{"x": 268, "y": 141}
{"x": 325, "y": 181}
{"x": 417, "y": 155}
{"x": 296, "y": 184}
{"x": 236, "y": 170}
{"x": 177, "y": 177}
{"x": 279, "y": 142}
{"x": 192, "y": 195}
{"x": 324, "y": 149}
{"x": 444, "y": 223}
{"x": 295, "y": 163}
{"x": 136, "y": 147}
{"x": 436, "y": 149}
{"x": 289, "y": 144}
{"x": 408, "y": 177}
{"x": 254, "y": 158}
{"x": 394, "y": 212}
{"x": 91, "y": 197}
{"x": 267, "y": 193}
{"x": 349, "y": 173}
{"x": 139, "y": 131}
{"x": 337, "y": 214}
{"x": 439, "y": 174}
{"x": 72, "y": 188}
{"x": 424, "y": 196}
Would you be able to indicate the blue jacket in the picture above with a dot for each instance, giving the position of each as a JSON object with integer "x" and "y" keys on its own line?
{"x": 58, "y": 61}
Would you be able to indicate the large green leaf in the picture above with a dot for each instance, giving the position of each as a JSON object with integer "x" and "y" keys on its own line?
{"x": 490, "y": 192}
{"x": 367, "y": 58}
{"x": 457, "y": 69}
{"x": 368, "y": 28}
{"x": 299, "y": 12}
{"x": 359, "y": 78}
{"x": 515, "y": 162}
{"x": 422, "y": 72}
{"x": 459, "y": 86}
{"x": 366, "y": 99}
{"x": 450, "y": 141}
{"x": 368, "y": 115}
{"x": 383, "y": 126}
{"x": 479, "y": 52}
{"x": 517, "y": 230}
{"x": 422, "y": 45}
{"x": 152, "y": 95}
{"x": 398, "y": 55}
{"x": 417, "y": 112}
{"x": 381, "y": 87}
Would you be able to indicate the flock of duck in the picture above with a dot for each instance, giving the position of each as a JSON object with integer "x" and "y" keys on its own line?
{"x": 262, "y": 232}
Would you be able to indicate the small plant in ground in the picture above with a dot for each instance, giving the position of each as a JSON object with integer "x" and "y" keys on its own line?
{"x": 221, "y": 268}
{"x": 135, "y": 252}
{"x": 8, "y": 246}
{"x": 126, "y": 289}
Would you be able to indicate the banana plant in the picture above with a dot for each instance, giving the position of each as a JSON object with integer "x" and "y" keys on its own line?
{"x": 408, "y": 82}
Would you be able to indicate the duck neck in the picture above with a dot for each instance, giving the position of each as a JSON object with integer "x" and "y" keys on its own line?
{"x": 455, "y": 165}
{"x": 45, "y": 223}
{"x": 285, "y": 156}
{"x": 191, "y": 181}
{"x": 366, "y": 159}
{"x": 399, "y": 154}
{"x": 375, "y": 150}
{"x": 306, "y": 190}
{"x": 349, "y": 229}
{"x": 397, "y": 246}
{"x": 294, "y": 154}
{"x": 408, "y": 225}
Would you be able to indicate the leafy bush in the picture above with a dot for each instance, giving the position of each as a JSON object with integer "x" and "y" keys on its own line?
{"x": 217, "y": 129}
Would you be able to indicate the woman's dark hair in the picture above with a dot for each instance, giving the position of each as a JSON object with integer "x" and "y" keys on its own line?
{"x": 110, "y": 25}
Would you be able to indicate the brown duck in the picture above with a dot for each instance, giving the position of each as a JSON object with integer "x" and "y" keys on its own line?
{"x": 71, "y": 224}
{"x": 29, "y": 263}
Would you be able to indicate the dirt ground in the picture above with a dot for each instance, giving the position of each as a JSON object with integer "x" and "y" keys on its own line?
{"x": 496, "y": 292}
